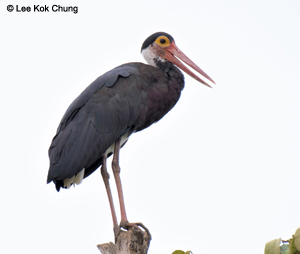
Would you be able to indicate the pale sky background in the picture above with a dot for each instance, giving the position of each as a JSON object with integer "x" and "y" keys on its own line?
{"x": 219, "y": 174}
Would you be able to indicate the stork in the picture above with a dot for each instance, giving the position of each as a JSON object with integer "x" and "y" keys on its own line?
{"x": 125, "y": 100}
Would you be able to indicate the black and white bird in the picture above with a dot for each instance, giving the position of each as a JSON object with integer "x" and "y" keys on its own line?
{"x": 117, "y": 104}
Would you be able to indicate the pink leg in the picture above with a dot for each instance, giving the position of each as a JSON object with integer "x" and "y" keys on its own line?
{"x": 116, "y": 170}
{"x": 105, "y": 177}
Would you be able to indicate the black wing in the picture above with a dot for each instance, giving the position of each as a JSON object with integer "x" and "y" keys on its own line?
{"x": 94, "y": 121}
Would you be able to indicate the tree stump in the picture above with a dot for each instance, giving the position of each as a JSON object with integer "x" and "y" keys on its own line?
{"x": 132, "y": 241}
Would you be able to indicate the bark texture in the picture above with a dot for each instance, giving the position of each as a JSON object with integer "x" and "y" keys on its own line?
{"x": 133, "y": 241}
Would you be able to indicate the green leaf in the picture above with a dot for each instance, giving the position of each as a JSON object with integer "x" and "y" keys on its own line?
{"x": 273, "y": 247}
{"x": 297, "y": 239}
{"x": 292, "y": 247}
{"x": 178, "y": 252}
{"x": 284, "y": 249}
{"x": 182, "y": 252}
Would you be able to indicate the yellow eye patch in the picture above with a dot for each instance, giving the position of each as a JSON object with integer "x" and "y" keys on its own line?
{"x": 163, "y": 41}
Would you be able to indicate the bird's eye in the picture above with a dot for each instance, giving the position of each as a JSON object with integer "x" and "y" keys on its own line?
{"x": 163, "y": 41}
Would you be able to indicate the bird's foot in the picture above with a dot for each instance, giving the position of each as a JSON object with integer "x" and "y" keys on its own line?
{"x": 138, "y": 226}
{"x": 126, "y": 225}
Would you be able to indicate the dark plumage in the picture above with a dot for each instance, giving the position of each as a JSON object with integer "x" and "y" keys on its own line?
{"x": 124, "y": 100}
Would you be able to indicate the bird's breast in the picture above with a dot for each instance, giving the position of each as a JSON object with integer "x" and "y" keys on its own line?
{"x": 160, "y": 95}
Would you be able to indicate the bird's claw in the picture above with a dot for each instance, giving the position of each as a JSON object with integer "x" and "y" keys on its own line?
{"x": 126, "y": 225}
{"x": 138, "y": 226}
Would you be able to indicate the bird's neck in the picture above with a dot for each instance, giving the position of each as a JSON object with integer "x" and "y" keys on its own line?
{"x": 164, "y": 65}
{"x": 171, "y": 70}
{"x": 159, "y": 62}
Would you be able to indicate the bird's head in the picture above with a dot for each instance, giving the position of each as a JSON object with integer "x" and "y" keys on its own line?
{"x": 161, "y": 46}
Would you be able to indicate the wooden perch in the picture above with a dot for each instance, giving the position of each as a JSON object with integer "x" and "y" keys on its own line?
{"x": 132, "y": 241}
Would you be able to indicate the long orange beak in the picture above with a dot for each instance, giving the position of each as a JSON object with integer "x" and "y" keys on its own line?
{"x": 173, "y": 53}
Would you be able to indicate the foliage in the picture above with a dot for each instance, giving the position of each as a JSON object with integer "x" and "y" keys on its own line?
{"x": 277, "y": 246}
{"x": 182, "y": 252}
